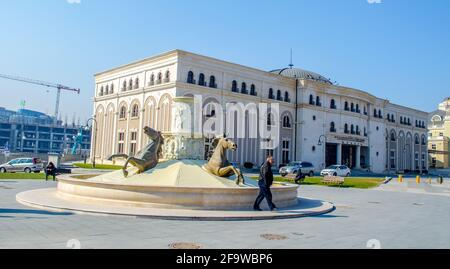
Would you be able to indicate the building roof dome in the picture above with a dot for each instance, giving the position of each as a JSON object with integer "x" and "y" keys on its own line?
{"x": 301, "y": 74}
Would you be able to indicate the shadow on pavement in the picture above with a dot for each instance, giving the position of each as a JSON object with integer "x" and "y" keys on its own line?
{"x": 329, "y": 216}
{"x": 37, "y": 212}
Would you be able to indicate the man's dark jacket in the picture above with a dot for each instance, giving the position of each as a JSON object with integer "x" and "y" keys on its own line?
{"x": 266, "y": 174}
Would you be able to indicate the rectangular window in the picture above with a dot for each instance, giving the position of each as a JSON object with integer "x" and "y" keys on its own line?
{"x": 285, "y": 152}
{"x": 133, "y": 143}
{"x": 392, "y": 157}
{"x": 121, "y": 148}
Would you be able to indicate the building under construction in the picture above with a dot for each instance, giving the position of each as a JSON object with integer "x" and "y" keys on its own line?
{"x": 35, "y": 132}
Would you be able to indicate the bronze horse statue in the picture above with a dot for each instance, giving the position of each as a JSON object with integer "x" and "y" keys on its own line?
{"x": 148, "y": 157}
{"x": 218, "y": 164}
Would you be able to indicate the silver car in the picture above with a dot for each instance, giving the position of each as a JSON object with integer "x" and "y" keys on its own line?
{"x": 27, "y": 165}
{"x": 294, "y": 168}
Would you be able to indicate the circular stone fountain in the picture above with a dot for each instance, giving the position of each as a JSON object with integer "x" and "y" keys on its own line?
{"x": 177, "y": 188}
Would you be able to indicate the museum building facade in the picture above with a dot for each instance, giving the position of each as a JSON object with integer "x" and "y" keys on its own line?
{"x": 320, "y": 122}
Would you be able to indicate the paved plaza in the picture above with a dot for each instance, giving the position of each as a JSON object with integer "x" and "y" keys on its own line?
{"x": 395, "y": 218}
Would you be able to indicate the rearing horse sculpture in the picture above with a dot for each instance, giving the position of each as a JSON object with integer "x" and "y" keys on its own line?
{"x": 148, "y": 157}
{"x": 218, "y": 164}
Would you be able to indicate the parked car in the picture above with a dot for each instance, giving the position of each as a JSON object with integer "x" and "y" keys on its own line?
{"x": 295, "y": 168}
{"x": 27, "y": 165}
{"x": 337, "y": 170}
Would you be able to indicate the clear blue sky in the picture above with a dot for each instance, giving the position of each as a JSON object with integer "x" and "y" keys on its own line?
{"x": 398, "y": 50}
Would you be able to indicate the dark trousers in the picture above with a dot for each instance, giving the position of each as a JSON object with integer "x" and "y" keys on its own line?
{"x": 264, "y": 193}
{"x": 50, "y": 173}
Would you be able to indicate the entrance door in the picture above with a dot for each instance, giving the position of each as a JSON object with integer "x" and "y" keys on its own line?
{"x": 349, "y": 156}
{"x": 331, "y": 155}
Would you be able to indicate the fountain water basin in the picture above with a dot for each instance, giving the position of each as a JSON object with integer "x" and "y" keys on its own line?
{"x": 179, "y": 184}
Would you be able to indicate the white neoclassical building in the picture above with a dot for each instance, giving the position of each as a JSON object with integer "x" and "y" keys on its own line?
{"x": 319, "y": 121}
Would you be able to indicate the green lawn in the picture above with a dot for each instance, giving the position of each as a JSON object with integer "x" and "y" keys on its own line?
{"x": 350, "y": 182}
{"x": 98, "y": 166}
{"x": 22, "y": 176}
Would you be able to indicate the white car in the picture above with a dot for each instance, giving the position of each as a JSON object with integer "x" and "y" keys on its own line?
{"x": 337, "y": 170}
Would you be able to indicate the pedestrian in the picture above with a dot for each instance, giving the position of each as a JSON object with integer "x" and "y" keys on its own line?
{"x": 50, "y": 170}
{"x": 265, "y": 182}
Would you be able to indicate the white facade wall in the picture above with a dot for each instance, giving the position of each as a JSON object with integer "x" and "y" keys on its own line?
{"x": 313, "y": 121}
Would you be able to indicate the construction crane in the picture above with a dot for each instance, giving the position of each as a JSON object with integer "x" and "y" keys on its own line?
{"x": 59, "y": 88}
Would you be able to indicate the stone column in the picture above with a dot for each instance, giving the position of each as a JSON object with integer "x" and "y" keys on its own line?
{"x": 339, "y": 154}
{"x": 358, "y": 157}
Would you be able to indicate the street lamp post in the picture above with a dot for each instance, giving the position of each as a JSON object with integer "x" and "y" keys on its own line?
{"x": 323, "y": 141}
{"x": 93, "y": 143}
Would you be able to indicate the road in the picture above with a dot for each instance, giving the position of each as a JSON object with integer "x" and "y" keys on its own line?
{"x": 394, "y": 219}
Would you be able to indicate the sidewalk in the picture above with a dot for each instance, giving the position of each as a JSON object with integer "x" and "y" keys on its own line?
{"x": 410, "y": 186}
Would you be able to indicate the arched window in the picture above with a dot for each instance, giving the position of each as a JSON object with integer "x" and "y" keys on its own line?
{"x": 234, "y": 86}
{"x": 101, "y": 91}
{"x": 130, "y": 84}
{"x": 159, "y": 78}
{"x": 271, "y": 93}
{"x": 212, "y": 82}
{"x": 286, "y": 97}
{"x": 318, "y": 103}
{"x": 124, "y": 86}
{"x": 375, "y": 113}
{"x": 332, "y": 127}
{"x": 270, "y": 120}
{"x": 311, "y": 99}
{"x": 352, "y": 107}
{"x": 136, "y": 84}
{"x": 393, "y": 138}
{"x": 346, "y": 108}
{"x": 357, "y": 109}
{"x": 135, "y": 111}
{"x": 357, "y": 130}
{"x": 201, "y": 79}
{"x": 152, "y": 80}
{"x": 333, "y": 104}
{"x": 279, "y": 95}
{"x": 365, "y": 131}
{"x": 286, "y": 122}
{"x": 111, "y": 91}
{"x": 253, "y": 90}
{"x": 190, "y": 78}
{"x": 417, "y": 140}
{"x": 244, "y": 88}
{"x": 352, "y": 129}
{"x": 380, "y": 115}
{"x": 107, "y": 90}
{"x": 424, "y": 142}
{"x": 123, "y": 113}
{"x": 346, "y": 128}
{"x": 167, "y": 77}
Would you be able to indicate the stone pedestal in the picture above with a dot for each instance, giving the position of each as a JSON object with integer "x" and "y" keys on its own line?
{"x": 183, "y": 143}
{"x": 179, "y": 147}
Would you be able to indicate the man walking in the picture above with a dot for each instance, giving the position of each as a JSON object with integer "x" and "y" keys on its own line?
{"x": 265, "y": 182}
